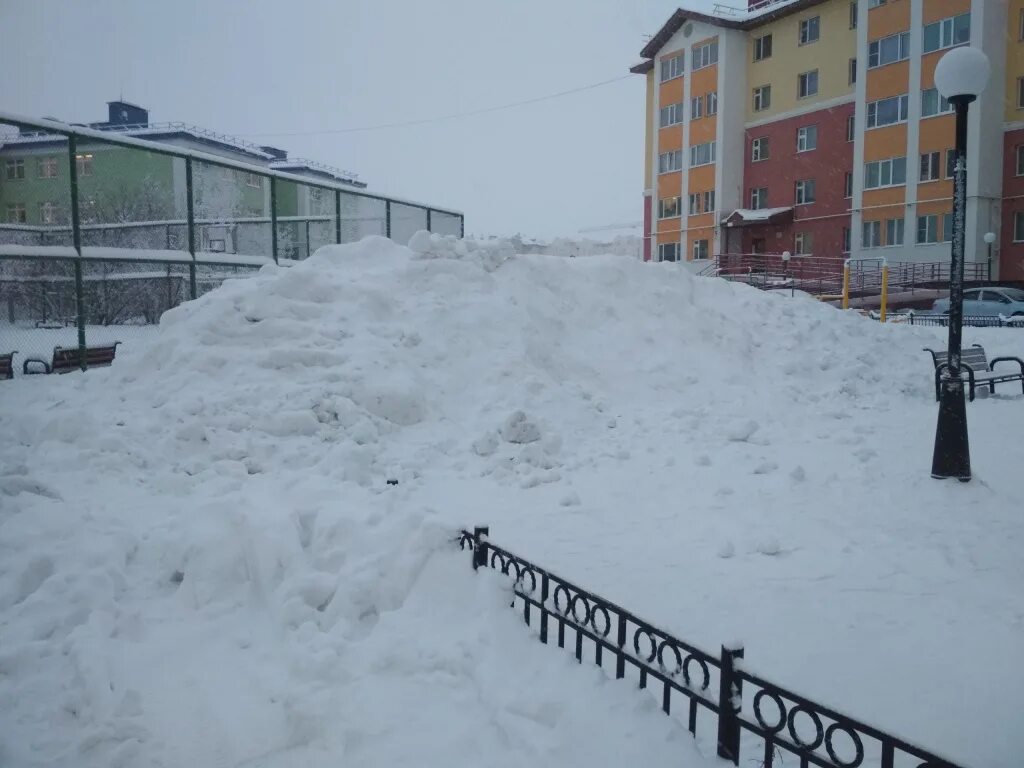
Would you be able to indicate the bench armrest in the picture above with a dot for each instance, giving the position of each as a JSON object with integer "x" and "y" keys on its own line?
{"x": 1016, "y": 360}
{"x": 26, "y": 371}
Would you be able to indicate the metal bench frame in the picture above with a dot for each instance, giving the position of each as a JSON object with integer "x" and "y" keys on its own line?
{"x": 980, "y": 372}
{"x": 7, "y": 366}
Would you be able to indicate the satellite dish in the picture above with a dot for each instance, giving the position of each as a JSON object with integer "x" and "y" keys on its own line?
{"x": 687, "y": 30}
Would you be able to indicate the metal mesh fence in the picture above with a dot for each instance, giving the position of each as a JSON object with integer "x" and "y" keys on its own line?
{"x": 406, "y": 221}
{"x": 445, "y": 223}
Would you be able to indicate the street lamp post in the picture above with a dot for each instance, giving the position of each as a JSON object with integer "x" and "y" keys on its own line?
{"x": 989, "y": 238}
{"x": 960, "y": 76}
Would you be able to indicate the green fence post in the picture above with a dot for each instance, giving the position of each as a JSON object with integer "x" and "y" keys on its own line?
{"x": 307, "y": 238}
{"x": 429, "y": 229}
{"x": 337, "y": 216}
{"x": 462, "y": 226}
{"x": 387, "y": 218}
{"x": 191, "y": 216}
{"x": 273, "y": 218}
{"x": 76, "y": 239}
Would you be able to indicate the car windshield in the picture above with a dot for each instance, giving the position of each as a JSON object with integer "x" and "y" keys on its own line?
{"x": 1014, "y": 294}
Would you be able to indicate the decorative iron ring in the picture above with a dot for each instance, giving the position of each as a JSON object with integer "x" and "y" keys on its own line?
{"x": 586, "y": 605}
{"x": 703, "y": 668}
{"x": 533, "y": 578}
{"x": 558, "y": 605}
{"x": 778, "y": 703}
{"x": 819, "y": 734}
{"x": 650, "y": 637}
{"x": 857, "y": 745}
{"x": 497, "y": 557}
{"x": 661, "y": 657}
{"x": 607, "y": 620}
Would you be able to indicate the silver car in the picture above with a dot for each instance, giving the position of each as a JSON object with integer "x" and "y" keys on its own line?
{"x": 1008, "y": 302}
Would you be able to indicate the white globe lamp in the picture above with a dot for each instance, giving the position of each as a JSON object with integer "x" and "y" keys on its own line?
{"x": 962, "y": 73}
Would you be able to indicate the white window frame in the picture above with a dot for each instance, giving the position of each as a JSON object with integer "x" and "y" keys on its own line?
{"x": 16, "y": 213}
{"x": 902, "y": 40}
{"x": 673, "y": 67}
{"x": 801, "y": 195}
{"x": 15, "y": 169}
{"x": 711, "y": 108}
{"x": 670, "y": 114}
{"x": 758, "y": 198}
{"x": 871, "y": 234}
{"x": 696, "y": 107}
{"x": 853, "y": 14}
{"x": 694, "y": 204}
{"x": 807, "y": 138}
{"x": 49, "y": 167}
{"x": 47, "y": 212}
{"x": 848, "y": 185}
{"x": 902, "y": 111}
{"x": 930, "y": 97}
{"x": 875, "y": 3}
{"x": 763, "y": 97}
{"x": 932, "y": 163}
{"x": 83, "y": 164}
{"x": 709, "y": 201}
{"x": 946, "y": 29}
{"x": 925, "y": 218}
{"x": 851, "y": 128}
{"x": 1018, "y": 226}
{"x": 671, "y": 161}
{"x": 885, "y": 168}
{"x": 1019, "y": 150}
{"x": 702, "y": 154}
{"x": 704, "y": 55}
{"x": 895, "y": 230}
{"x": 760, "y": 45}
{"x": 806, "y": 26}
{"x": 846, "y": 239}
{"x": 699, "y": 246}
{"x": 803, "y": 84}
{"x": 760, "y": 149}
{"x": 663, "y": 247}
{"x": 803, "y": 244}
{"x": 254, "y": 180}
{"x": 663, "y": 208}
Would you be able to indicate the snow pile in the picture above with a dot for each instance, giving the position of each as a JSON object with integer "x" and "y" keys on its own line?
{"x": 202, "y": 558}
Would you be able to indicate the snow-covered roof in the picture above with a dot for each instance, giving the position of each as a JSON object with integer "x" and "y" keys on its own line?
{"x": 301, "y": 164}
{"x": 751, "y": 215}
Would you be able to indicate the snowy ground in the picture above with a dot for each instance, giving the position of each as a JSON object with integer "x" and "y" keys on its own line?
{"x": 206, "y": 564}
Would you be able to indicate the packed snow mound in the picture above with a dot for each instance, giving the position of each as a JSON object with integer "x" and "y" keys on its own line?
{"x": 203, "y": 561}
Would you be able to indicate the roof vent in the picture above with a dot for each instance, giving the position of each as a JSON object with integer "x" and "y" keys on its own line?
{"x": 687, "y": 30}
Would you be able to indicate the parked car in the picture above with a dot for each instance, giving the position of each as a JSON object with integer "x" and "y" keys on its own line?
{"x": 990, "y": 300}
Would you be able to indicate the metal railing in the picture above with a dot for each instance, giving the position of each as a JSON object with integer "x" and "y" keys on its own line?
{"x": 565, "y": 613}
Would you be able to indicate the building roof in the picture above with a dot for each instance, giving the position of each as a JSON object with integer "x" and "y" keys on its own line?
{"x": 729, "y": 18}
{"x": 744, "y": 217}
{"x": 313, "y": 168}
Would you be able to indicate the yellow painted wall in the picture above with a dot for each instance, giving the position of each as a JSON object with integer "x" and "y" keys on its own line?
{"x": 830, "y": 55}
{"x": 1014, "y": 60}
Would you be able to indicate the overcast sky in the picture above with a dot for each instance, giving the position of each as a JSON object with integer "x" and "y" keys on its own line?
{"x": 259, "y": 67}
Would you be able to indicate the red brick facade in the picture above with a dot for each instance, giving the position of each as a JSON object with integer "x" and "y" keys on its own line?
{"x": 1011, "y": 254}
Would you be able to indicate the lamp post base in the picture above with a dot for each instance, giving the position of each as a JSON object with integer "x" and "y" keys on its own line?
{"x": 952, "y": 456}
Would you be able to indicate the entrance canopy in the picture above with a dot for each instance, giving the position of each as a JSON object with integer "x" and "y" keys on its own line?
{"x": 748, "y": 217}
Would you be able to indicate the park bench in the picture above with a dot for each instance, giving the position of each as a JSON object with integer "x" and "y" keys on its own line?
{"x": 7, "y": 366}
{"x": 66, "y": 359}
{"x": 977, "y": 369}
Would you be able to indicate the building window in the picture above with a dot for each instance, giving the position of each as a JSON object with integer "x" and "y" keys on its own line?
{"x": 1020, "y": 93}
{"x": 702, "y": 154}
{"x": 945, "y": 33}
{"x": 700, "y": 249}
{"x": 810, "y": 30}
{"x": 759, "y": 149}
{"x": 15, "y": 170}
{"x": 891, "y": 172}
{"x": 875, "y": 3}
{"x": 871, "y": 233}
{"x": 888, "y": 50}
{"x": 47, "y": 213}
{"x": 805, "y": 192}
{"x": 929, "y": 166}
{"x": 712, "y": 104}
{"x": 672, "y": 67}
{"x": 670, "y": 161}
{"x": 850, "y": 128}
{"x": 1018, "y": 227}
{"x": 709, "y": 201}
{"x": 83, "y": 164}
{"x": 807, "y": 84}
{"x": 671, "y": 115}
{"x": 48, "y": 168}
{"x": 806, "y": 138}
{"x": 932, "y": 103}
{"x": 1019, "y": 149}
{"x": 668, "y": 252}
{"x": 846, "y": 239}
{"x": 705, "y": 55}
{"x": 888, "y": 111}
{"x": 848, "y": 185}
{"x": 695, "y": 204}
{"x": 803, "y": 244}
{"x": 950, "y": 163}
{"x": 853, "y": 71}
{"x": 696, "y": 107}
{"x": 668, "y": 207}
{"x": 947, "y": 227}
{"x": 894, "y": 232}
{"x": 927, "y": 228}
{"x": 758, "y": 198}
{"x": 16, "y": 213}
{"x": 763, "y": 97}
{"x": 762, "y": 47}
{"x": 253, "y": 180}
{"x": 853, "y": 21}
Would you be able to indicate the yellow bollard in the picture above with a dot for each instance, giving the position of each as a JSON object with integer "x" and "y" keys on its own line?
{"x": 846, "y": 284}
{"x": 885, "y": 290}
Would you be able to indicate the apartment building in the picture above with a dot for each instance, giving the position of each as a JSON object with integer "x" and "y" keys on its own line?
{"x": 814, "y": 127}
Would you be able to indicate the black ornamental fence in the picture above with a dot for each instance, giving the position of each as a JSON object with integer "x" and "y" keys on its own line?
{"x": 744, "y": 710}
